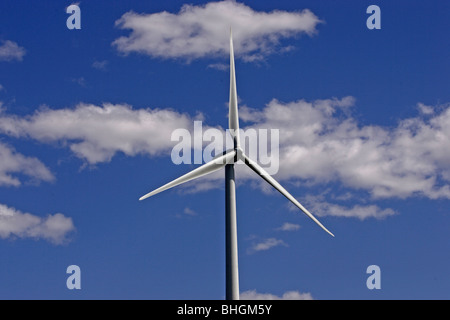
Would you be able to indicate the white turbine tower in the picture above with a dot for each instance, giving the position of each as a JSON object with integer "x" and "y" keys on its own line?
{"x": 227, "y": 160}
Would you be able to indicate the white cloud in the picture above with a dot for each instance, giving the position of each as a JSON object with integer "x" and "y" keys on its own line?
{"x": 199, "y": 31}
{"x": 219, "y": 66}
{"x": 287, "y": 226}
{"x": 323, "y": 208}
{"x": 97, "y": 133}
{"x": 320, "y": 142}
{"x": 425, "y": 109}
{"x": 10, "y": 51}
{"x": 53, "y": 228}
{"x": 289, "y": 295}
{"x": 13, "y": 166}
{"x": 266, "y": 244}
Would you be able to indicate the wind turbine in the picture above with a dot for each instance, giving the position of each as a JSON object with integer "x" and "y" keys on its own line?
{"x": 227, "y": 160}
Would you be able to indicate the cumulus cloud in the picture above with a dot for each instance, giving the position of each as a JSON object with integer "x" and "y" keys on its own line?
{"x": 289, "y": 295}
{"x": 14, "y": 166}
{"x": 16, "y": 224}
{"x": 97, "y": 133}
{"x": 321, "y": 142}
{"x": 199, "y": 31}
{"x": 10, "y": 51}
{"x": 424, "y": 109}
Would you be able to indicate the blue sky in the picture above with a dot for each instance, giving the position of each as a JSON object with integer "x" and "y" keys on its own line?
{"x": 85, "y": 123}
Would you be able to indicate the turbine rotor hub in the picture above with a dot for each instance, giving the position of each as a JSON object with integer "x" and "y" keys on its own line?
{"x": 239, "y": 153}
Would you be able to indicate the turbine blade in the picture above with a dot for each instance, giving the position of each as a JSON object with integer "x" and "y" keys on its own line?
{"x": 233, "y": 117}
{"x": 263, "y": 174}
{"x": 214, "y": 165}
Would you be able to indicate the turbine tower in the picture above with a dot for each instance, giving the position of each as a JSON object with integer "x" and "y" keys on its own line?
{"x": 227, "y": 160}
